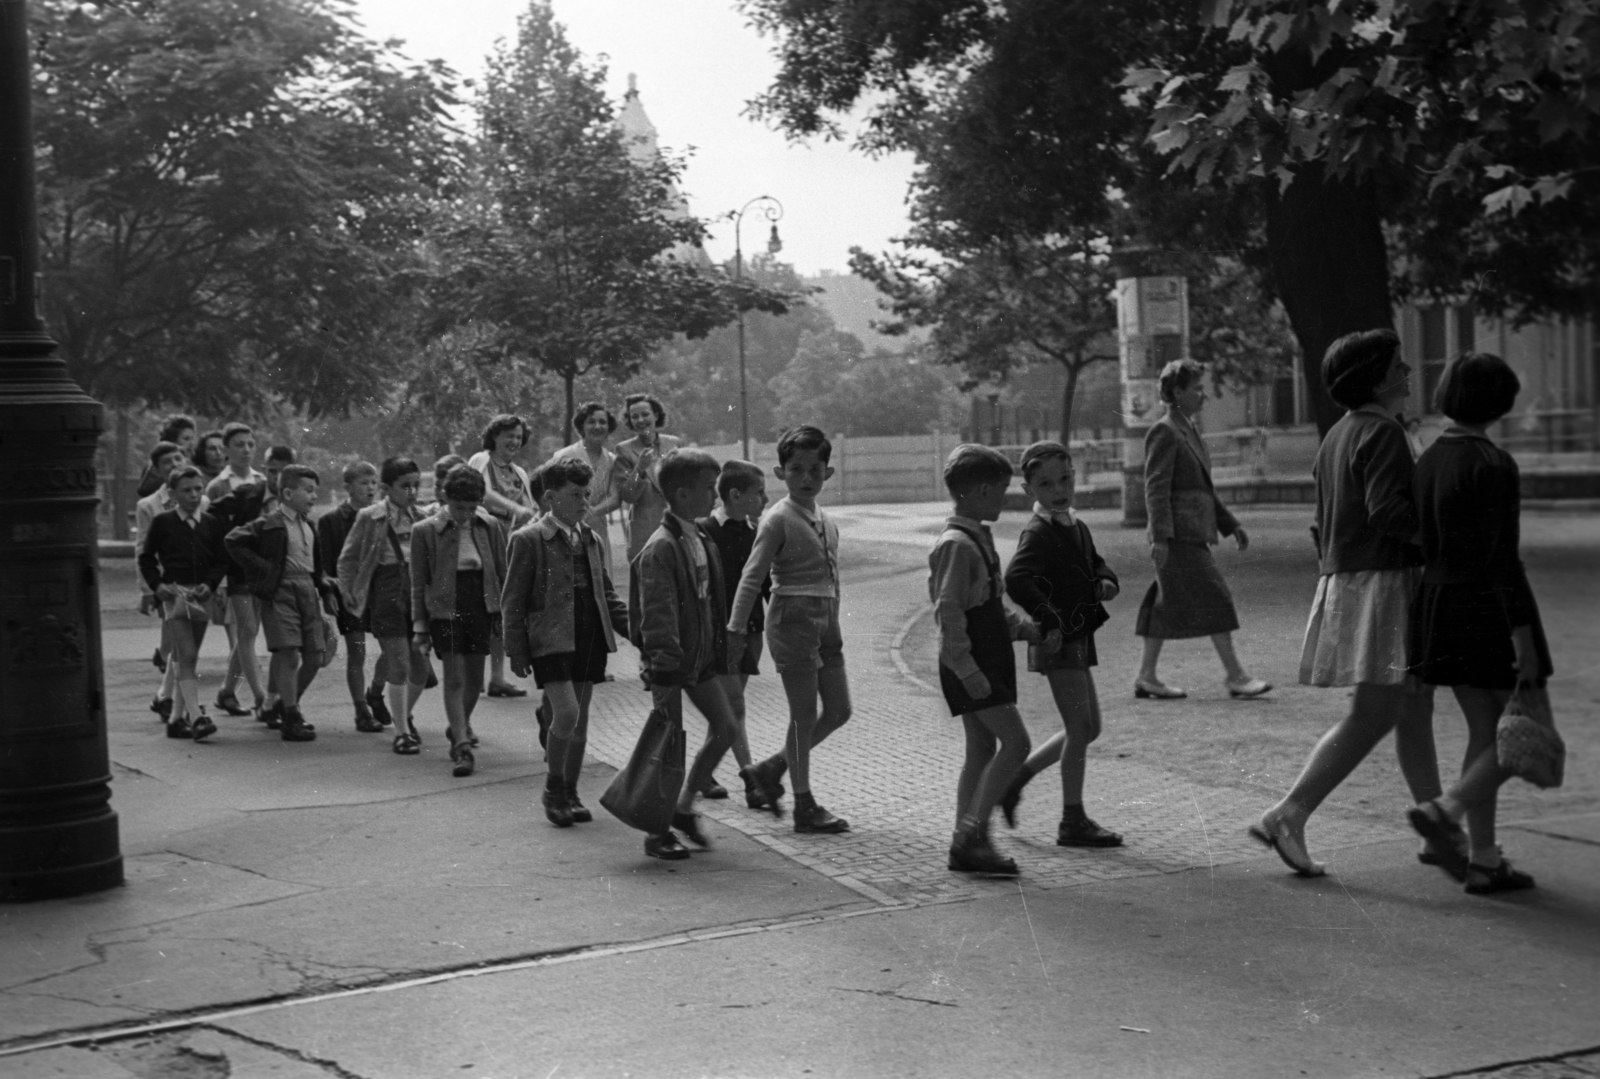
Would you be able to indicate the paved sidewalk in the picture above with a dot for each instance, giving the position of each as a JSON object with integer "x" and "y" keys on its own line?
{"x": 333, "y": 909}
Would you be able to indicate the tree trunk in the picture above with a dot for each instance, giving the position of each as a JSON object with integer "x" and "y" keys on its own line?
{"x": 572, "y": 409}
{"x": 1069, "y": 393}
{"x": 1331, "y": 266}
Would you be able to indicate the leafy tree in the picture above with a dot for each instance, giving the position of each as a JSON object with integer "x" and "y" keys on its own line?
{"x": 832, "y": 383}
{"x": 230, "y": 195}
{"x": 1360, "y": 152}
{"x": 565, "y": 246}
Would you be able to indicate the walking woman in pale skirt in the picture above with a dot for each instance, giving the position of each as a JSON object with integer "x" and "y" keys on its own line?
{"x": 1371, "y": 568}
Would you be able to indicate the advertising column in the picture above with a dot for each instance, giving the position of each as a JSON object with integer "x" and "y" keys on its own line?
{"x": 1152, "y": 330}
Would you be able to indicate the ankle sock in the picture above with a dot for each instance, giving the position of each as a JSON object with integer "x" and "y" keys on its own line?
{"x": 399, "y": 706}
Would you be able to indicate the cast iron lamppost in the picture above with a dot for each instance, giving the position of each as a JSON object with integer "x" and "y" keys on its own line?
{"x": 58, "y": 834}
{"x": 772, "y": 210}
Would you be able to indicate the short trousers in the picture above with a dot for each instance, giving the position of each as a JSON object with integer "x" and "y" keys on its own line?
{"x": 292, "y": 619}
{"x": 803, "y": 633}
{"x": 1074, "y": 655}
{"x": 587, "y": 661}
{"x": 467, "y": 633}
{"x": 750, "y": 661}
{"x": 388, "y": 612}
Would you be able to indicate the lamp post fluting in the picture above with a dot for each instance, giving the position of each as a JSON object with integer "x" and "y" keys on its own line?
{"x": 58, "y": 834}
{"x": 772, "y": 210}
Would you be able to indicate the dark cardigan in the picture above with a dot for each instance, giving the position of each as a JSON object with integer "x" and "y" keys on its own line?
{"x": 1469, "y": 499}
{"x": 1054, "y": 577}
{"x": 174, "y": 553}
{"x": 1366, "y": 517}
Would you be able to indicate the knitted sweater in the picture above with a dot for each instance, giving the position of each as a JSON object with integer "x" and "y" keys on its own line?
{"x": 787, "y": 545}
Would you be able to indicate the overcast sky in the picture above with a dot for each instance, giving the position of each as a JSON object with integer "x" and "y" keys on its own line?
{"x": 697, "y": 64}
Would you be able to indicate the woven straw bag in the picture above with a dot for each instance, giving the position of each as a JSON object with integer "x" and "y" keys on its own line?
{"x": 1526, "y": 740}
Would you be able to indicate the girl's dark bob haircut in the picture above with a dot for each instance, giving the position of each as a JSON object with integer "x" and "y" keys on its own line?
{"x": 1477, "y": 388}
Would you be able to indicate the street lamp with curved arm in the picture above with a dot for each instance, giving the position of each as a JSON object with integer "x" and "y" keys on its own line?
{"x": 772, "y": 210}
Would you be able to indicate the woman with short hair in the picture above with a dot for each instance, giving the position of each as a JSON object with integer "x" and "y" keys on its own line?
{"x": 509, "y": 498}
{"x": 1356, "y": 635}
{"x": 1188, "y": 598}
{"x": 637, "y": 465}
{"x": 595, "y": 423}
{"x": 1476, "y": 624}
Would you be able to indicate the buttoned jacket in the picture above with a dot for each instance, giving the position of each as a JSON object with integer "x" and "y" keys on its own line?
{"x": 435, "y": 546}
{"x": 538, "y": 605}
{"x": 1178, "y": 493}
{"x": 665, "y": 617}
{"x": 363, "y": 547}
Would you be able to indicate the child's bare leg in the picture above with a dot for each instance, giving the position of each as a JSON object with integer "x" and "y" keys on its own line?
{"x": 310, "y": 664}
{"x": 455, "y": 689}
{"x": 1004, "y": 725}
{"x": 471, "y": 685}
{"x": 169, "y": 677}
{"x": 355, "y": 668}
{"x": 246, "y": 624}
{"x": 578, "y": 742}
{"x": 1079, "y": 707}
{"x": 285, "y": 673}
{"x": 1475, "y": 794}
{"x": 801, "y": 689}
{"x": 713, "y": 704}
{"x": 497, "y": 662}
{"x": 834, "y": 686}
{"x": 185, "y": 639}
{"x": 981, "y": 745}
{"x": 733, "y": 689}
{"x": 401, "y": 680}
{"x": 1413, "y": 742}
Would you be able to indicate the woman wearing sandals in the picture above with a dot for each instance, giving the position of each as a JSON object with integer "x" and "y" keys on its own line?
{"x": 458, "y": 561}
{"x": 1356, "y": 635}
{"x": 1476, "y": 625}
{"x": 1189, "y": 598}
{"x": 508, "y": 498}
{"x": 375, "y": 579}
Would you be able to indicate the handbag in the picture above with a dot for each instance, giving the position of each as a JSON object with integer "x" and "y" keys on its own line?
{"x": 1526, "y": 741}
{"x": 644, "y": 795}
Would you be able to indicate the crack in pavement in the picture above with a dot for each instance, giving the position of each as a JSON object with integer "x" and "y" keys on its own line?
{"x": 1570, "y": 1055}
{"x": 332, "y": 1067}
{"x": 1556, "y": 835}
{"x": 894, "y": 995}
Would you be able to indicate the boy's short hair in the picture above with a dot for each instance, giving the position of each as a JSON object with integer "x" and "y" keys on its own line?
{"x": 971, "y": 464}
{"x": 1477, "y": 388}
{"x": 293, "y": 474}
{"x": 500, "y": 425}
{"x": 564, "y": 471}
{"x": 464, "y": 483}
{"x": 178, "y": 475}
{"x": 655, "y": 406}
{"x": 1354, "y": 365}
{"x": 280, "y": 453}
{"x": 355, "y": 470}
{"x": 536, "y": 484}
{"x": 1040, "y": 452}
{"x": 589, "y": 408}
{"x": 680, "y": 467}
{"x": 1178, "y": 375}
{"x": 234, "y": 430}
{"x": 162, "y": 449}
{"x": 739, "y": 475}
{"x": 174, "y": 426}
{"x": 396, "y": 467}
{"x": 442, "y": 467}
{"x": 804, "y": 437}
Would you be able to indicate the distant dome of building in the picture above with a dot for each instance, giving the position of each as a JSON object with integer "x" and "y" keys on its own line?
{"x": 641, "y": 138}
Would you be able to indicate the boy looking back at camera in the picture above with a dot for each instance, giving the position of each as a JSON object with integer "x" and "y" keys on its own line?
{"x": 799, "y": 546}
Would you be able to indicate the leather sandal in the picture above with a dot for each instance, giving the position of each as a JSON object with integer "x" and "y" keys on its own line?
{"x": 1502, "y": 878}
{"x": 1443, "y": 835}
{"x": 406, "y": 743}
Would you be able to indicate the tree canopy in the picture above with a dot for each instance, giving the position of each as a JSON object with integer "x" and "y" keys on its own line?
{"x": 231, "y": 195}
{"x": 1358, "y": 151}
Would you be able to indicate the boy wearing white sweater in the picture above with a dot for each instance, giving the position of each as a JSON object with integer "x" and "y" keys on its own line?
{"x": 799, "y": 546}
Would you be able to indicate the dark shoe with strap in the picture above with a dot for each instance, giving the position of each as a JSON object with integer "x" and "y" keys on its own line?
{"x": 811, "y": 818}
{"x": 556, "y": 809}
{"x": 974, "y": 853}
{"x": 379, "y": 707}
{"x": 714, "y": 790}
{"x": 229, "y": 705}
{"x": 461, "y": 753}
{"x": 689, "y": 825}
{"x": 1502, "y": 878}
{"x": 202, "y": 726}
{"x": 665, "y": 847}
{"x": 1085, "y": 833}
{"x": 273, "y": 717}
{"x": 179, "y": 728}
{"x": 367, "y": 723}
{"x": 580, "y": 812}
{"x": 161, "y": 707}
{"x": 294, "y": 727}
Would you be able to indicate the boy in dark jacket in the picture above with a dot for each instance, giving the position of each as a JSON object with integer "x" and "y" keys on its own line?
{"x": 333, "y": 528}
{"x": 1061, "y": 581}
{"x": 279, "y": 555}
{"x": 677, "y": 610}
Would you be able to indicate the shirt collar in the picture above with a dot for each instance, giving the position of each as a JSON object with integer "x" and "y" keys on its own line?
{"x": 956, "y": 520}
{"x": 688, "y": 526}
{"x": 1063, "y": 516}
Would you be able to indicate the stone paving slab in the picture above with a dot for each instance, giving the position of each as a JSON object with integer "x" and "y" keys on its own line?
{"x": 892, "y": 772}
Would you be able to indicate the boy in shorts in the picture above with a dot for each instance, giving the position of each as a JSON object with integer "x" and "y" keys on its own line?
{"x": 742, "y": 488}
{"x": 279, "y": 554}
{"x": 333, "y": 528}
{"x": 799, "y": 546}
{"x": 677, "y": 609}
{"x": 977, "y": 670}
{"x": 561, "y": 615}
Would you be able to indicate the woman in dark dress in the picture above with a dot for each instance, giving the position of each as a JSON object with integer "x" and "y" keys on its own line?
{"x": 1476, "y": 626}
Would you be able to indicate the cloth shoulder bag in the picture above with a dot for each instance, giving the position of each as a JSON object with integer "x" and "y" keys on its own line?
{"x": 1526, "y": 740}
{"x": 644, "y": 795}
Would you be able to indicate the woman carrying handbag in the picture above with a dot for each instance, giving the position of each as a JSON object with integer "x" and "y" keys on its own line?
{"x": 1475, "y": 626}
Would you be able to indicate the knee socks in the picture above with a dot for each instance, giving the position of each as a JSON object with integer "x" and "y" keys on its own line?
{"x": 400, "y": 705}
